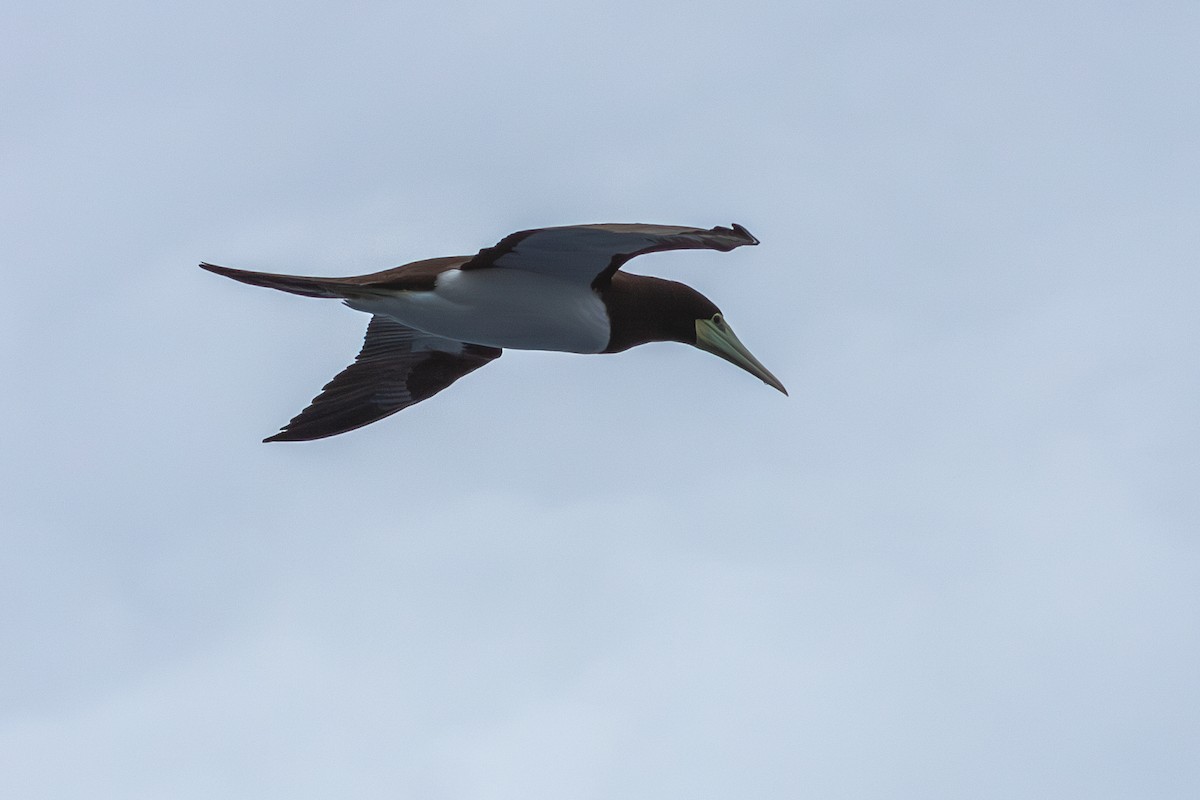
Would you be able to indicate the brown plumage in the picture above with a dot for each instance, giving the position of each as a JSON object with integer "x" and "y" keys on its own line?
{"x": 435, "y": 320}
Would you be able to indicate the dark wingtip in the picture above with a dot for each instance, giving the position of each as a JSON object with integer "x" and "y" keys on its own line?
{"x": 286, "y": 436}
{"x": 216, "y": 269}
{"x": 300, "y": 434}
{"x": 741, "y": 231}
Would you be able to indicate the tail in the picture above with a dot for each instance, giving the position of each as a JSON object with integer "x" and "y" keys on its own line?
{"x": 296, "y": 284}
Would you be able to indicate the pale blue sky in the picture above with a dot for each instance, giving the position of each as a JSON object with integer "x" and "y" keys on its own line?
{"x": 961, "y": 560}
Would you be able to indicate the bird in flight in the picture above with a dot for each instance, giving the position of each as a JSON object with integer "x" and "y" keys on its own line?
{"x": 433, "y": 321}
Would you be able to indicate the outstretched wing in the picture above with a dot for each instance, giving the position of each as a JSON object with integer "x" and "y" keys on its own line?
{"x": 397, "y": 367}
{"x": 592, "y": 253}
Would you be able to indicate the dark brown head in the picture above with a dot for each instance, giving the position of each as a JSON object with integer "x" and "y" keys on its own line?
{"x": 642, "y": 309}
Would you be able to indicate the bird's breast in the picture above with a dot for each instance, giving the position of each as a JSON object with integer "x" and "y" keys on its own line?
{"x": 502, "y": 308}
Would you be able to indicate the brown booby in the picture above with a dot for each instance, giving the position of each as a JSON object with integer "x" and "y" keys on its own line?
{"x": 434, "y": 321}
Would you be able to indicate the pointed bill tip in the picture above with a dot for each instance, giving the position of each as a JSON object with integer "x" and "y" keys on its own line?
{"x": 715, "y": 336}
{"x": 766, "y": 377}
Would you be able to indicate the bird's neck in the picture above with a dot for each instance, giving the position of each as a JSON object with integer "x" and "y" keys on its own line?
{"x": 640, "y": 311}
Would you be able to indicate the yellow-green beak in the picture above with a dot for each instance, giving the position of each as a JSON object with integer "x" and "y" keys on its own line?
{"x": 715, "y": 336}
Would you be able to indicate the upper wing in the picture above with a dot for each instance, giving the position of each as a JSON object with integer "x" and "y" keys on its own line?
{"x": 419, "y": 276}
{"x": 397, "y": 367}
{"x": 592, "y": 253}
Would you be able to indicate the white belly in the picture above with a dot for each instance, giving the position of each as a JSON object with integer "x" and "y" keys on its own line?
{"x": 502, "y": 308}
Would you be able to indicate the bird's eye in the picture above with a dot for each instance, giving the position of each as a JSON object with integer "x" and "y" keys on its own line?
{"x": 718, "y": 320}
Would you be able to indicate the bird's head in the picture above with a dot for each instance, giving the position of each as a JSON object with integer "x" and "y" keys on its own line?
{"x": 644, "y": 309}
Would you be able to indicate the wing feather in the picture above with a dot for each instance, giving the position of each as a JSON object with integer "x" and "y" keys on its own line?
{"x": 396, "y": 368}
{"x": 592, "y": 253}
